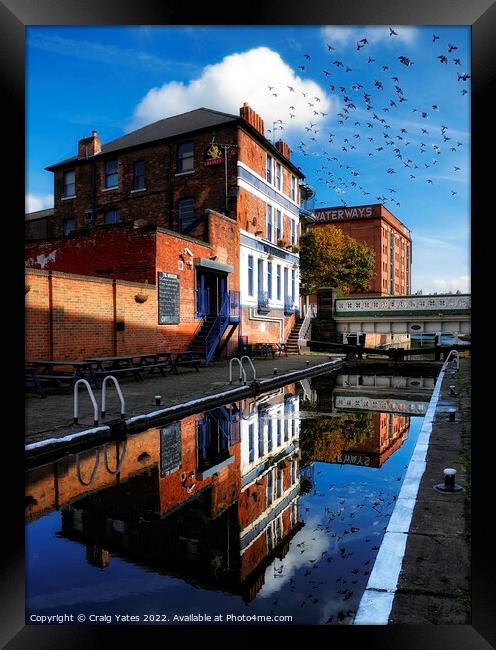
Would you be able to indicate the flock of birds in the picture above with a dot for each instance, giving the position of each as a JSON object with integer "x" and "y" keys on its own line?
{"x": 368, "y": 118}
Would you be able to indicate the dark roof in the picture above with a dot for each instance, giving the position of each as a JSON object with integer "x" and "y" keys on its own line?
{"x": 170, "y": 127}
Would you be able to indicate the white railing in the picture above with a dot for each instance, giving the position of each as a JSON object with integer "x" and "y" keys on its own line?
{"x": 305, "y": 329}
{"x": 403, "y": 303}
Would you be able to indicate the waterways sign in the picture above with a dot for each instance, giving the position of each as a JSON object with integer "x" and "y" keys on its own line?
{"x": 168, "y": 299}
{"x": 345, "y": 213}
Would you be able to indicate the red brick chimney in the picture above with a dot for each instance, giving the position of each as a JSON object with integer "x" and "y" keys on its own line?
{"x": 248, "y": 114}
{"x": 89, "y": 146}
{"x": 283, "y": 149}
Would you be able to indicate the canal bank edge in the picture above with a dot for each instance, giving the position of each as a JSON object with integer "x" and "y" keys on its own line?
{"x": 413, "y": 582}
{"x": 49, "y": 449}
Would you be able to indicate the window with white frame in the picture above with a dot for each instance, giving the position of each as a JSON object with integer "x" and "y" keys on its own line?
{"x": 270, "y": 224}
{"x": 278, "y": 225}
{"x": 111, "y": 176}
{"x": 269, "y": 174}
{"x": 293, "y": 231}
{"x": 293, "y": 188}
{"x": 278, "y": 176}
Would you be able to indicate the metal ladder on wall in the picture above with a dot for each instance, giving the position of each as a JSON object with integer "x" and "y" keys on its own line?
{"x": 96, "y": 415}
{"x": 242, "y": 372}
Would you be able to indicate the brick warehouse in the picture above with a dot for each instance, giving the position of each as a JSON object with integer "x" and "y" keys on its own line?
{"x": 202, "y": 197}
{"x": 390, "y": 240}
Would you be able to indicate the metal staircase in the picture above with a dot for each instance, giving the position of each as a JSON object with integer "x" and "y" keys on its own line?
{"x": 292, "y": 343}
{"x": 210, "y": 338}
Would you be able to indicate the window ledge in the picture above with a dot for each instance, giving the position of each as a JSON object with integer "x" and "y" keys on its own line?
{"x": 141, "y": 189}
{"x": 185, "y": 173}
{"x": 108, "y": 189}
{"x": 66, "y": 198}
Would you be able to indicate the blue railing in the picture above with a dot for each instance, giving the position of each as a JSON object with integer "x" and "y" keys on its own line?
{"x": 263, "y": 302}
{"x": 218, "y": 328}
{"x": 234, "y": 307}
{"x": 202, "y": 302}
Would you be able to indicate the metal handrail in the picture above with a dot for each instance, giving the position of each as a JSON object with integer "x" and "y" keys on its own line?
{"x": 119, "y": 392}
{"x": 119, "y": 456}
{"x": 307, "y": 322}
{"x": 76, "y": 401}
{"x": 251, "y": 364}
{"x": 457, "y": 356}
{"x": 242, "y": 373}
{"x": 218, "y": 327}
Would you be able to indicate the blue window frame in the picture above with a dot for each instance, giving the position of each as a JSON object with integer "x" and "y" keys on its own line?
{"x": 139, "y": 175}
{"x": 185, "y": 213}
{"x": 250, "y": 275}
{"x": 112, "y": 216}
{"x": 269, "y": 279}
{"x": 278, "y": 282}
{"x": 270, "y": 224}
{"x": 70, "y": 183}
{"x": 111, "y": 176}
{"x": 185, "y": 157}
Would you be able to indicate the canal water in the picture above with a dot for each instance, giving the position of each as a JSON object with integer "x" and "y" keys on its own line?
{"x": 274, "y": 506}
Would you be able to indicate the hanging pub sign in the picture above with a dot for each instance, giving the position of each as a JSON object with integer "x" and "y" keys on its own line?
{"x": 214, "y": 155}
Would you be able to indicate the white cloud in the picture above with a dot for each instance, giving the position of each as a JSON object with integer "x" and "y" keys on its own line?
{"x": 38, "y": 202}
{"x": 461, "y": 282}
{"x": 241, "y": 77}
{"x": 340, "y": 37}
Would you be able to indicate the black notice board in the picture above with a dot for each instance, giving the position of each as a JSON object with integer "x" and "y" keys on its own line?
{"x": 170, "y": 449}
{"x": 168, "y": 299}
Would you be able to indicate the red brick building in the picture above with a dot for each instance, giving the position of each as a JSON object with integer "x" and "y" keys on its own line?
{"x": 202, "y": 197}
{"x": 390, "y": 240}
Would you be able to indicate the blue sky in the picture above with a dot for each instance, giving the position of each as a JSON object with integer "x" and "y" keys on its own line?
{"x": 326, "y": 90}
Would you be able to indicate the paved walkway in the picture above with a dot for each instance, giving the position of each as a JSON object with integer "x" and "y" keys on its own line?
{"x": 53, "y": 416}
{"x": 434, "y": 584}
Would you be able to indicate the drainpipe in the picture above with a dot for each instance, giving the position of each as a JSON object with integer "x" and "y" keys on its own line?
{"x": 50, "y": 316}
{"x": 170, "y": 187}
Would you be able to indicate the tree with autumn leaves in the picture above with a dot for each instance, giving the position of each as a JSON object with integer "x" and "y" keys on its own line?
{"x": 329, "y": 258}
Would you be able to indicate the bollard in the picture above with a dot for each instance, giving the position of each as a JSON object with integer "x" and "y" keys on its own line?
{"x": 275, "y": 371}
{"x": 452, "y": 389}
{"x": 308, "y": 363}
{"x": 449, "y": 484}
{"x": 158, "y": 400}
{"x": 449, "y": 478}
{"x": 452, "y": 415}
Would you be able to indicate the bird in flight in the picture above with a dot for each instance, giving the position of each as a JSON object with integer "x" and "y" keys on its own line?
{"x": 405, "y": 60}
{"x": 443, "y": 58}
{"x": 435, "y": 38}
{"x": 392, "y": 32}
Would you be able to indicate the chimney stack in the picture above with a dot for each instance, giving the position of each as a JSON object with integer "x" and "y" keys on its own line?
{"x": 283, "y": 149}
{"x": 89, "y": 146}
{"x": 248, "y": 114}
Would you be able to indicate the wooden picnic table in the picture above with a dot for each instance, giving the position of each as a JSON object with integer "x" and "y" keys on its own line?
{"x": 119, "y": 364}
{"x": 48, "y": 370}
{"x": 270, "y": 348}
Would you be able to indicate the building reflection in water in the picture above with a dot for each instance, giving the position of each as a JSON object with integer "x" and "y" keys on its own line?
{"x": 212, "y": 499}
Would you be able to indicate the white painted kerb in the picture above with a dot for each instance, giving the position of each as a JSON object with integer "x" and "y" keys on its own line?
{"x": 377, "y": 600}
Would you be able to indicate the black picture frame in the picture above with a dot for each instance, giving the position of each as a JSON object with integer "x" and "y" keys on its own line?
{"x": 15, "y": 15}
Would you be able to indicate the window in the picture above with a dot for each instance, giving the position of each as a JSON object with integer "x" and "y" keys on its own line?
{"x": 139, "y": 175}
{"x": 70, "y": 183}
{"x": 293, "y": 188}
{"x": 111, "y": 178}
{"x": 278, "y": 175}
{"x": 270, "y": 486}
{"x": 278, "y": 282}
{"x": 69, "y": 226}
{"x": 279, "y": 440}
{"x": 269, "y": 435}
{"x": 269, "y": 280}
{"x": 293, "y": 280}
{"x": 293, "y": 231}
{"x": 185, "y": 157}
{"x": 251, "y": 443}
{"x": 269, "y": 168}
{"x": 279, "y": 484}
{"x": 270, "y": 225}
{"x": 250, "y": 275}
{"x": 112, "y": 216}
{"x": 260, "y": 438}
{"x": 185, "y": 214}
{"x": 278, "y": 225}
